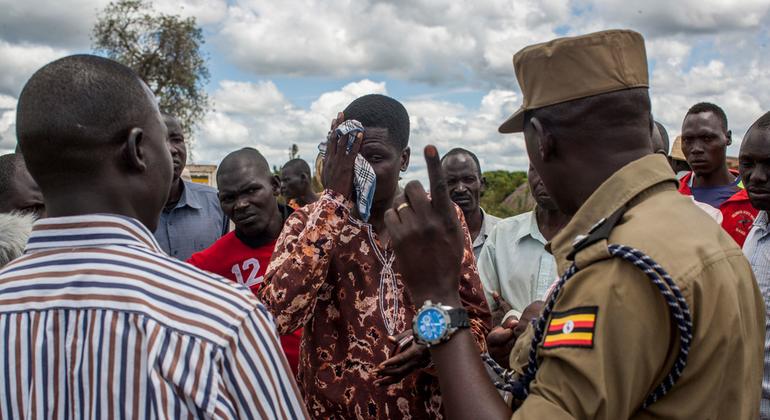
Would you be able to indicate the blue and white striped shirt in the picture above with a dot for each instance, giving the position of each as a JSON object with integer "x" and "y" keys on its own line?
{"x": 96, "y": 322}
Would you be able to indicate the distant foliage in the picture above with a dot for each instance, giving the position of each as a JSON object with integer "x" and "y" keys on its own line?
{"x": 500, "y": 185}
{"x": 165, "y": 50}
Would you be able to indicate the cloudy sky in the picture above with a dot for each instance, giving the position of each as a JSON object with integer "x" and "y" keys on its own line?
{"x": 280, "y": 70}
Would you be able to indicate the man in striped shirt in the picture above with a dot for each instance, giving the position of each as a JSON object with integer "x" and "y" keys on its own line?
{"x": 96, "y": 321}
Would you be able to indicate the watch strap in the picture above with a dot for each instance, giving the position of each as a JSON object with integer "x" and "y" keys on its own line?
{"x": 458, "y": 318}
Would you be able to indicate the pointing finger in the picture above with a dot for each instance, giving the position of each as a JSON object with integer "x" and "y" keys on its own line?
{"x": 438, "y": 188}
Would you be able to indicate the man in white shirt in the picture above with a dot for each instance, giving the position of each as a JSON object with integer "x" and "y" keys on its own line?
{"x": 514, "y": 266}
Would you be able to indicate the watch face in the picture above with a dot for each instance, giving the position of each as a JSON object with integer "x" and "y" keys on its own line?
{"x": 431, "y": 324}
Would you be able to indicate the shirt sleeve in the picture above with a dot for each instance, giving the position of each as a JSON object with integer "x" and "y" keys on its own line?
{"x": 256, "y": 381}
{"x": 487, "y": 265}
{"x": 300, "y": 264}
{"x": 631, "y": 346}
{"x": 472, "y": 293}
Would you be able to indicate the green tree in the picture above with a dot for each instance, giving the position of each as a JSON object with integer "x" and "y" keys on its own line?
{"x": 500, "y": 185}
{"x": 165, "y": 50}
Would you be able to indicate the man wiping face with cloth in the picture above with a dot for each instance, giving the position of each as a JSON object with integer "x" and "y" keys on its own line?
{"x": 333, "y": 271}
{"x": 364, "y": 177}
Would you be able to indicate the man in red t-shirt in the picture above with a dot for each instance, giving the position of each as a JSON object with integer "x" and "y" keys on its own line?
{"x": 705, "y": 138}
{"x": 247, "y": 194}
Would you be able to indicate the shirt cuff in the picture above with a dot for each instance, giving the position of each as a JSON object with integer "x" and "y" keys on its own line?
{"x": 512, "y": 312}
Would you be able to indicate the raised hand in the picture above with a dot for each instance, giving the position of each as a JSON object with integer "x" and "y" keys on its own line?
{"x": 427, "y": 238}
{"x": 338, "y": 163}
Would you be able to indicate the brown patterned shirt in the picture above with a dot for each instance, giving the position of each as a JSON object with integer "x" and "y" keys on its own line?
{"x": 326, "y": 275}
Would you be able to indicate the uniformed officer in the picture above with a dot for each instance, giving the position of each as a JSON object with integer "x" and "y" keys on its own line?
{"x": 615, "y": 342}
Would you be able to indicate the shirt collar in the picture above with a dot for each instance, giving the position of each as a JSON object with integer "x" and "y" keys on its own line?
{"x": 761, "y": 220}
{"x": 620, "y": 188}
{"x": 90, "y": 230}
{"x": 532, "y": 229}
{"x": 486, "y": 229}
{"x": 188, "y": 198}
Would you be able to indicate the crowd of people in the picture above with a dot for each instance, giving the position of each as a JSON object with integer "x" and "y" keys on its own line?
{"x": 634, "y": 289}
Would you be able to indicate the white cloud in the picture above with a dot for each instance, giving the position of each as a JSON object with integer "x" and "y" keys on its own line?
{"x": 713, "y": 50}
{"x": 206, "y": 12}
{"x": 428, "y": 41}
{"x": 666, "y": 17}
{"x": 19, "y": 61}
{"x": 7, "y": 124}
{"x": 258, "y": 115}
{"x": 56, "y": 23}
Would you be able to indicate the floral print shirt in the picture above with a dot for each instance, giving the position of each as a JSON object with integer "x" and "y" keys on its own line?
{"x": 325, "y": 276}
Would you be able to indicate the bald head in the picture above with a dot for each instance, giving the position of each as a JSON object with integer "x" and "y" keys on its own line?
{"x": 660, "y": 140}
{"x": 247, "y": 193}
{"x": 243, "y": 157}
{"x": 74, "y": 111}
{"x": 94, "y": 140}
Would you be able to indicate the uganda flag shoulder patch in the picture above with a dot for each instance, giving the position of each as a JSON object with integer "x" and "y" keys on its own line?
{"x": 573, "y": 328}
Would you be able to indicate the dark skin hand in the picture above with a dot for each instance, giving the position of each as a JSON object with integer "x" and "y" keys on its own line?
{"x": 428, "y": 230}
{"x": 338, "y": 163}
{"x": 408, "y": 357}
{"x": 502, "y": 338}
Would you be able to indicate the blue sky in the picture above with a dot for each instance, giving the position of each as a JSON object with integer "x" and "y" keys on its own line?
{"x": 281, "y": 70}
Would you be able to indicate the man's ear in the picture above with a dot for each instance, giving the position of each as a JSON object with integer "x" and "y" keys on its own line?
{"x": 275, "y": 184}
{"x": 405, "y": 154}
{"x": 546, "y": 143}
{"x": 483, "y": 186}
{"x": 729, "y": 137}
{"x": 134, "y": 150}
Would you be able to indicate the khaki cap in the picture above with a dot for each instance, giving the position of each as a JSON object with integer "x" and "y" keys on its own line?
{"x": 571, "y": 68}
{"x": 676, "y": 149}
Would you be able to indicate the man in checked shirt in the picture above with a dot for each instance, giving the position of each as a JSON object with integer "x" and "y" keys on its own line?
{"x": 96, "y": 321}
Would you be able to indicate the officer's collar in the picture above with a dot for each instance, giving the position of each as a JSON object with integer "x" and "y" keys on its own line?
{"x": 614, "y": 193}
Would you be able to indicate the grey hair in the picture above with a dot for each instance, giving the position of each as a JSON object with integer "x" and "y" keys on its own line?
{"x": 15, "y": 229}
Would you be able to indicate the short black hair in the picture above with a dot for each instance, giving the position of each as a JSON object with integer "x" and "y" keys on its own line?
{"x": 382, "y": 112}
{"x": 298, "y": 165}
{"x": 709, "y": 107}
{"x": 246, "y": 154}
{"x": 664, "y": 135}
{"x": 9, "y": 165}
{"x": 461, "y": 151}
{"x": 75, "y": 110}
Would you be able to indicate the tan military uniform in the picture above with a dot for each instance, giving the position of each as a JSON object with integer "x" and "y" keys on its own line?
{"x": 633, "y": 339}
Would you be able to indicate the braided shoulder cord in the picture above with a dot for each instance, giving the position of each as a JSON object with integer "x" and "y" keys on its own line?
{"x": 671, "y": 293}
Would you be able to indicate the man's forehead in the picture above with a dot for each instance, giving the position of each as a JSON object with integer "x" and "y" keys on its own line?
{"x": 237, "y": 182}
{"x": 377, "y": 135}
{"x": 702, "y": 120}
{"x": 758, "y": 140}
{"x": 459, "y": 162}
{"x": 172, "y": 123}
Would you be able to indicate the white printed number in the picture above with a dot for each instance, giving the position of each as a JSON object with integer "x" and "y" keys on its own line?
{"x": 250, "y": 266}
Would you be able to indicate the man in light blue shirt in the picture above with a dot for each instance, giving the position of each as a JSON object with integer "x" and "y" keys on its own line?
{"x": 754, "y": 165}
{"x": 514, "y": 264}
{"x": 192, "y": 219}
